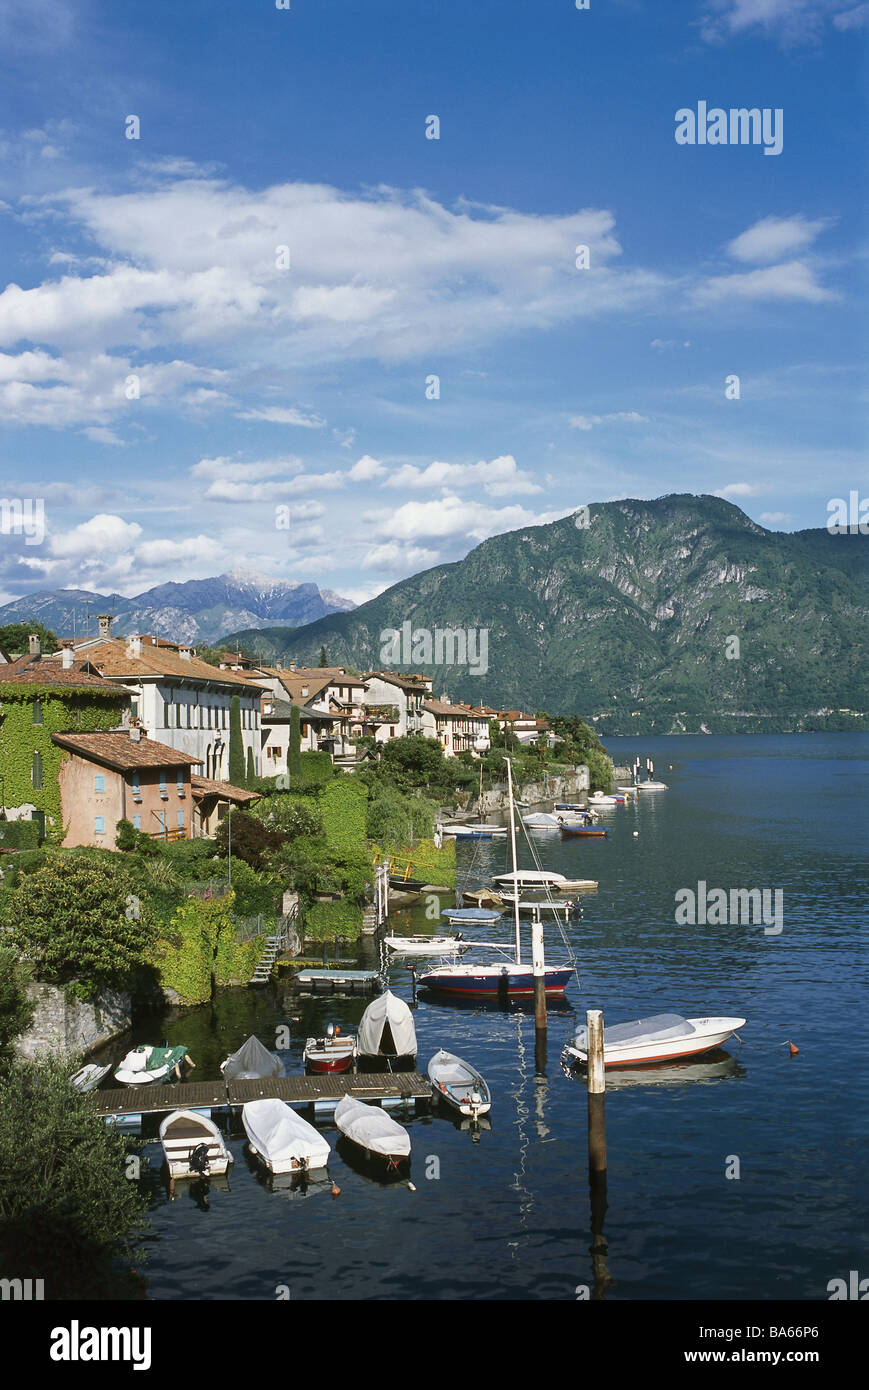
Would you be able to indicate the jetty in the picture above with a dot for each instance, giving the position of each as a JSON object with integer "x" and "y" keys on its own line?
{"x": 321, "y": 1092}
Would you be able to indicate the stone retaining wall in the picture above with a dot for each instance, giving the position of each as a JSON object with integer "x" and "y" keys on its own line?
{"x": 68, "y": 1025}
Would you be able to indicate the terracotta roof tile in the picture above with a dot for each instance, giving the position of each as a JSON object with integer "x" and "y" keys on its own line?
{"x": 28, "y": 670}
{"x": 118, "y": 750}
{"x": 206, "y": 786}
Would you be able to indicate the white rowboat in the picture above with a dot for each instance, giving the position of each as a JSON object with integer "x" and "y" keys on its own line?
{"x": 193, "y": 1146}
{"x": 372, "y": 1129}
{"x": 459, "y": 1084}
{"x": 656, "y": 1039}
{"x": 425, "y": 945}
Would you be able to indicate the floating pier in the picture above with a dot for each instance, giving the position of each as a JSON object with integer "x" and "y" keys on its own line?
{"x": 338, "y": 981}
{"x": 408, "y": 1088}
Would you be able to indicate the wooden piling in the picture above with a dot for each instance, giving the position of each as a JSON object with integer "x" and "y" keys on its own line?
{"x": 538, "y": 969}
{"x": 596, "y": 1093}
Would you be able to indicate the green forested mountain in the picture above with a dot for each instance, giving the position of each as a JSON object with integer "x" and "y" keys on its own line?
{"x": 628, "y": 621}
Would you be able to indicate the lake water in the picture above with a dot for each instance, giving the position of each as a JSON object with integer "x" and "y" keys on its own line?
{"x": 508, "y": 1217}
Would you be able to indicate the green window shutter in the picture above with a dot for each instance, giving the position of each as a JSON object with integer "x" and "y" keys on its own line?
{"x": 36, "y": 774}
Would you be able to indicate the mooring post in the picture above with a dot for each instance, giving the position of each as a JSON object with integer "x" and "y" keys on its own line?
{"x": 596, "y": 1093}
{"x": 538, "y": 970}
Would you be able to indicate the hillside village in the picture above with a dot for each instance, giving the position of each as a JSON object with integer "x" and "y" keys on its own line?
{"x": 138, "y": 728}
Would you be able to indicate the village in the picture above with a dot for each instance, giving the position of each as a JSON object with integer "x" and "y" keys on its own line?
{"x": 141, "y": 729}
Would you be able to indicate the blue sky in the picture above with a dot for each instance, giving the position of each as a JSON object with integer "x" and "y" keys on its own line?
{"x": 262, "y": 386}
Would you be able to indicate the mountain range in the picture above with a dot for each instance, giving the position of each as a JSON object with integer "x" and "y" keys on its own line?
{"x": 675, "y": 615}
{"x": 198, "y": 610}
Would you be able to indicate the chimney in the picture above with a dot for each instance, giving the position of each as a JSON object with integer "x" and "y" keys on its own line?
{"x": 35, "y": 647}
{"x": 292, "y": 665}
{"x": 185, "y": 653}
{"x": 134, "y": 646}
{"x": 105, "y": 624}
{"x": 279, "y": 665}
{"x": 135, "y": 733}
{"x": 67, "y": 656}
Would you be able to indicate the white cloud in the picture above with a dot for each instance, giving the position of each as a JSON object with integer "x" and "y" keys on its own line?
{"x": 197, "y": 550}
{"x": 792, "y": 281}
{"x": 774, "y": 237}
{"x": 791, "y": 21}
{"x": 773, "y": 517}
{"x": 393, "y": 558}
{"x": 588, "y": 422}
{"x": 453, "y": 516}
{"x": 740, "y": 490}
{"x": 499, "y": 477}
{"x": 103, "y": 532}
{"x": 366, "y": 469}
{"x": 856, "y": 18}
{"x": 280, "y": 415}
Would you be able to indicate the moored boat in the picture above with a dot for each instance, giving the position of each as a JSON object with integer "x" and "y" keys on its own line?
{"x": 491, "y": 981}
{"x": 386, "y": 1031}
{"x": 281, "y": 1140}
{"x": 87, "y": 1078}
{"x": 334, "y": 1052}
{"x": 252, "y": 1062}
{"x": 587, "y": 832}
{"x": 145, "y": 1065}
{"x": 530, "y": 878}
{"x": 426, "y": 945}
{"x": 471, "y": 916}
{"x": 659, "y": 1038}
{"x": 459, "y": 1084}
{"x": 372, "y": 1130}
{"x": 193, "y": 1146}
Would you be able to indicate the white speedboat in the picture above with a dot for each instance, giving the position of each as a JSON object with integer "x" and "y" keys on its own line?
{"x": 372, "y": 1130}
{"x": 657, "y": 1039}
{"x": 475, "y": 832}
{"x": 530, "y": 907}
{"x": 146, "y": 1065}
{"x": 281, "y": 1140}
{"x": 193, "y": 1146}
{"x": 459, "y": 1084}
{"x": 530, "y": 878}
{"x": 652, "y": 786}
{"x": 425, "y": 945}
{"x": 87, "y": 1078}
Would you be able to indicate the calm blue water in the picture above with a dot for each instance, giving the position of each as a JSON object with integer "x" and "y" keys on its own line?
{"x": 508, "y": 1217}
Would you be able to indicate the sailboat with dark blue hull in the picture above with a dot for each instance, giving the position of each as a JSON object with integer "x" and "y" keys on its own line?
{"x": 505, "y": 979}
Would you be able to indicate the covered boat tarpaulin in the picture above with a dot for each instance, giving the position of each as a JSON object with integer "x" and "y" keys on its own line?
{"x": 642, "y": 1031}
{"x": 252, "y": 1062}
{"x": 386, "y": 1029}
{"x": 481, "y": 915}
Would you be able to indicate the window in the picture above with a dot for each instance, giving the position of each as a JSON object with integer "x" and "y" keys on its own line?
{"x": 134, "y": 709}
{"x": 37, "y": 710}
{"x": 137, "y": 822}
{"x": 99, "y": 825}
{"x": 181, "y": 820}
{"x": 165, "y": 714}
{"x": 99, "y": 782}
{"x": 180, "y": 782}
{"x": 163, "y": 791}
{"x": 136, "y": 784}
{"x": 189, "y": 715}
{"x": 36, "y": 771}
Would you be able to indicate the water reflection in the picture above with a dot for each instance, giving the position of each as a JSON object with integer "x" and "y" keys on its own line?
{"x": 720, "y": 1066}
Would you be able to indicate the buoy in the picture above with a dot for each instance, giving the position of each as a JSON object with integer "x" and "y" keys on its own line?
{"x": 336, "y": 1191}
{"x": 636, "y": 834}
{"x": 794, "y": 1049}
{"x": 410, "y": 1187}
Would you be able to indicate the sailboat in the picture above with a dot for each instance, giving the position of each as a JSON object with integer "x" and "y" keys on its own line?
{"x": 506, "y": 978}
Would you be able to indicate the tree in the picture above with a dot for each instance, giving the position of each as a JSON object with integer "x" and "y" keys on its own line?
{"x": 251, "y": 840}
{"x": 294, "y": 755}
{"x": 14, "y": 637}
{"x": 16, "y": 1006}
{"x": 324, "y": 660}
{"x": 71, "y": 1208}
{"x": 77, "y": 921}
{"x": 250, "y": 771}
{"x": 236, "y": 746}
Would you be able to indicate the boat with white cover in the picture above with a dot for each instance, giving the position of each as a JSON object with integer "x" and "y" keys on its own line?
{"x": 372, "y": 1130}
{"x": 459, "y": 1084}
{"x": 657, "y": 1039}
{"x": 193, "y": 1146}
{"x": 530, "y": 878}
{"x": 386, "y": 1030}
{"x": 426, "y": 945}
{"x": 281, "y": 1140}
{"x": 252, "y": 1062}
{"x": 145, "y": 1065}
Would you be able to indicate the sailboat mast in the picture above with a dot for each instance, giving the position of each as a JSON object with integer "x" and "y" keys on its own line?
{"x": 515, "y": 865}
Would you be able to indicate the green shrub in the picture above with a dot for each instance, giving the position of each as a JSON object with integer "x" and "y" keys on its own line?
{"x": 19, "y": 834}
{"x": 16, "y": 1006}
{"x": 315, "y": 770}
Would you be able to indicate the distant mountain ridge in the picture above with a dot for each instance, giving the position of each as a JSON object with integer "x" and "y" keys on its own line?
{"x": 197, "y": 610}
{"x": 631, "y": 620}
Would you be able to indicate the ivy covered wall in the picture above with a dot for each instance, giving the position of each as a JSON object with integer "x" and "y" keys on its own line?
{"x": 70, "y": 711}
{"x": 200, "y": 941}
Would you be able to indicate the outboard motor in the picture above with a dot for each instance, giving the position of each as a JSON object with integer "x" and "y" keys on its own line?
{"x": 199, "y": 1160}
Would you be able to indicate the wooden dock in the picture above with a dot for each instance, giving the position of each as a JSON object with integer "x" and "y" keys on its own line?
{"x": 409, "y": 1086}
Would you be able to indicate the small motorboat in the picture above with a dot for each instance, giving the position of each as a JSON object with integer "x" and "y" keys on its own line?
{"x": 578, "y": 885}
{"x": 531, "y": 878}
{"x": 426, "y": 945}
{"x": 146, "y": 1065}
{"x": 281, "y": 1140}
{"x": 471, "y": 916}
{"x": 544, "y": 820}
{"x": 372, "y": 1130}
{"x": 529, "y": 907}
{"x": 252, "y": 1062}
{"x": 475, "y": 832}
{"x": 483, "y": 897}
{"x": 87, "y": 1078}
{"x": 334, "y": 1052}
{"x": 193, "y": 1146}
{"x": 600, "y": 799}
{"x": 650, "y": 785}
{"x": 459, "y": 1084}
{"x": 386, "y": 1030}
{"x": 657, "y": 1039}
{"x": 587, "y": 832}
